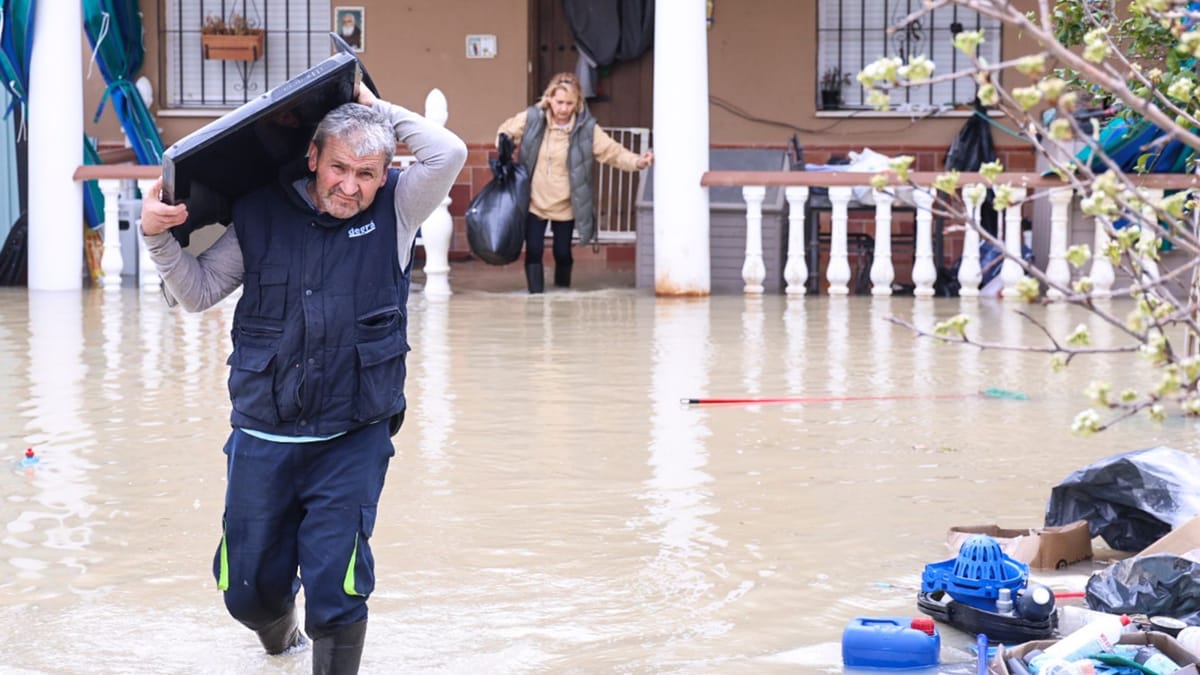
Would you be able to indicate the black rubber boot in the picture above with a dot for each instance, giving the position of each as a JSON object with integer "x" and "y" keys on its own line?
{"x": 339, "y": 653}
{"x": 282, "y": 634}
{"x": 535, "y": 277}
{"x": 562, "y": 275}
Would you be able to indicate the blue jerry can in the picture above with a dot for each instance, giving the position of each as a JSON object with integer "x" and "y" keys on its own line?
{"x": 893, "y": 642}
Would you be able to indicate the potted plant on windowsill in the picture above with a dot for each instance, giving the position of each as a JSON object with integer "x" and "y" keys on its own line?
{"x": 231, "y": 39}
{"x": 832, "y": 81}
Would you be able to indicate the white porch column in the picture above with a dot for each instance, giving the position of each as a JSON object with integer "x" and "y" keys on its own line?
{"x": 1150, "y": 196}
{"x": 56, "y": 148}
{"x": 795, "y": 273}
{"x": 1057, "y": 269}
{"x": 681, "y": 218}
{"x": 924, "y": 273}
{"x": 438, "y": 228}
{"x": 838, "y": 272}
{"x": 882, "y": 272}
{"x": 753, "y": 269}
{"x": 969, "y": 274}
{"x": 1010, "y": 270}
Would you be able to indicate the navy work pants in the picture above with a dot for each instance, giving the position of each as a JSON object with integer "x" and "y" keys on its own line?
{"x": 307, "y": 507}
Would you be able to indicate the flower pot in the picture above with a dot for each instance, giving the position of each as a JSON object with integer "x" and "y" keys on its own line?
{"x": 831, "y": 100}
{"x": 247, "y": 47}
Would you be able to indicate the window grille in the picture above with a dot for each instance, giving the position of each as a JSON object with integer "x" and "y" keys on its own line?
{"x": 854, "y": 33}
{"x": 297, "y": 38}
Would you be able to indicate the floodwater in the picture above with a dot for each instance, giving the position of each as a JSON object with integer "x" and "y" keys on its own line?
{"x": 552, "y": 506}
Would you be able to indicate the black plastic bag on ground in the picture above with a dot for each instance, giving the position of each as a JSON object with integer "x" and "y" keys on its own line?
{"x": 496, "y": 216}
{"x": 1131, "y": 499}
{"x": 1161, "y": 584}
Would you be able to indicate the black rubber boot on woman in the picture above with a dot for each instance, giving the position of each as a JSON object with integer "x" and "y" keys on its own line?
{"x": 562, "y": 275}
{"x": 535, "y": 277}
{"x": 282, "y": 634}
{"x": 339, "y": 653}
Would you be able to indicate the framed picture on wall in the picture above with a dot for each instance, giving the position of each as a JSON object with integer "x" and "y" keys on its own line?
{"x": 349, "y": 23}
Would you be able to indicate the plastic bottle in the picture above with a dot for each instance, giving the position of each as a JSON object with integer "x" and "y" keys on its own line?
{"x": 1189, "y": 639}
{"x": 1035, "y": 602}
{"x": 1071, "y": 618}
{"x": 1004, "y": 603}
{"x": 1098, "y": 636}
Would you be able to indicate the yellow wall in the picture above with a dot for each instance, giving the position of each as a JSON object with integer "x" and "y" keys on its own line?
{"x": 762, "y": 56}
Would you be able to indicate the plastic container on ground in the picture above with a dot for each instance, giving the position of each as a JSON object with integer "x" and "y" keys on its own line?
{"x": 1189, "y": 639}
{"x": 1098, "y": 636}
{"x": 890, "y": 643}
{"x": 977, "y": 574}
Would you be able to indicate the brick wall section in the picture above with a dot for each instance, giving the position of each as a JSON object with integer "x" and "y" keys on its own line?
{"x": 476, "y": 173}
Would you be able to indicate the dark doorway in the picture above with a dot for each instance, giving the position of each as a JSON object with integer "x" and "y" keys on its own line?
{"x": 624, "y": 90}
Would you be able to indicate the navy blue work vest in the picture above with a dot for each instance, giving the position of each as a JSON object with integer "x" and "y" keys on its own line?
{"x": 321, "y": 331}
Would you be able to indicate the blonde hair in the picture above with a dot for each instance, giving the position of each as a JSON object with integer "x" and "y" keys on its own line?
{"x": 566, "y": 82}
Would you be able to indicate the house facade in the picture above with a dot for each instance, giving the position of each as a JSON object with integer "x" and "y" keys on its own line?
{"x": 766, "y": 60}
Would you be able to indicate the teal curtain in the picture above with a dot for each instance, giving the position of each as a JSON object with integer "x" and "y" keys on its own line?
{"x": 10, "y": 197}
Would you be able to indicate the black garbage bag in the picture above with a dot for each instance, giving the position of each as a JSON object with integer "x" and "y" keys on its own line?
{"x": 973, "y": 146}
{"x": 1131, "y": 499}
{"x": 496, "y": 216}
{"x": 14, "y": 257}
{"x": 1161, "y": 584}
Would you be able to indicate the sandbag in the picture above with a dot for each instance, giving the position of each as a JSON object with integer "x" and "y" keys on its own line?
{"x": 496, "y": 216}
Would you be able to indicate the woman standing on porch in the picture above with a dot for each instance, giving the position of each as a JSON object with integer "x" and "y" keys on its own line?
{"x": 559, "y": 139}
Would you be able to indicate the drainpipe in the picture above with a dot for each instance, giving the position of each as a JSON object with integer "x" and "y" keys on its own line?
{"x": 56, "y": 148}
{"x": 681, "y": 217}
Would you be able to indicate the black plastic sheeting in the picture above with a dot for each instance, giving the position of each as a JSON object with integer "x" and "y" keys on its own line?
{"x": 621, "y": 30}
{"x": 1162, "y": 584}
{"x": 1131, "y": 499}
{"x": 496, "y": 216}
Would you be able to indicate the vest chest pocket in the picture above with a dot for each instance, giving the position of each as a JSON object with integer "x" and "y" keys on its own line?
{"x": 269, "y": 286}
{"x": 380, "y": 376}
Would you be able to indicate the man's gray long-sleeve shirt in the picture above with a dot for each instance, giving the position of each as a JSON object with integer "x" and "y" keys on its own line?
{"x": 200, "y": 282}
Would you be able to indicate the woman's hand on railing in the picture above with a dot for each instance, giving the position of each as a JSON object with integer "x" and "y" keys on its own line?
{"x": 157, "y": 216}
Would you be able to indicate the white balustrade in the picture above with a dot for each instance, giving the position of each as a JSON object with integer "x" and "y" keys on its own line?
{"x": 969, "y": 273}
{"x": 882, "y": 272}
{"x": 924, "y": 272}
{"x": 148, "y": 279}
{"x": 1101, "y": 273}
{"x": 838, "y": 272}
{"x": 795, "y": 273}
{"x": 111, "y": 261}
{"x": 1057, "y": 270}
{"x": 1011, "y": 271}
{"x": 753, "y": 269}
{"x": 438, "y": 229}
{"x": 1150, "y": 196}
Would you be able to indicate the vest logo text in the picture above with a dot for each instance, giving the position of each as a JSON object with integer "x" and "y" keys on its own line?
{"x": 360, "y": 231}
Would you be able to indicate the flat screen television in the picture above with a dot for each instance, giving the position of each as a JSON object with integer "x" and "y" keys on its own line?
{"x": 211, "y": 167}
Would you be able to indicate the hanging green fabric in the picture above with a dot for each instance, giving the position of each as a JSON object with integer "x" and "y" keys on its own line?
{"x": 93, "y": 198}
{"x": 114, "y": 29}
{"x": 16, "y": 48}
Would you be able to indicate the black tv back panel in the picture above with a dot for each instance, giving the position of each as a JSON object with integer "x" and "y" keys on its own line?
{"x": 247, "y": 148}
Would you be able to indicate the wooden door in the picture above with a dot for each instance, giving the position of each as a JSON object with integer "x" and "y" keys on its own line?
{"x": 624, "y": 90}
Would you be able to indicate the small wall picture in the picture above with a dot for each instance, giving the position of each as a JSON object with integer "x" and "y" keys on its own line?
{"x": 348, "y": 23}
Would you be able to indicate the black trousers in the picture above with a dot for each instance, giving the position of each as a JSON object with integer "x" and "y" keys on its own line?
{"x": 535, "y": 240}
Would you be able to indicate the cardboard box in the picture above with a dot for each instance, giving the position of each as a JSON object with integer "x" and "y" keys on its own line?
{"x": 1165, "y": 643}
{"x": 1181, "y": 541}
{"x": 1045, "y": 547}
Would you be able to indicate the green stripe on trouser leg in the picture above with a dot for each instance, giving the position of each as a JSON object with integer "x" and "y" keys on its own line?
{"x": 348, "y": 580}
{"x": 223, "y": 578}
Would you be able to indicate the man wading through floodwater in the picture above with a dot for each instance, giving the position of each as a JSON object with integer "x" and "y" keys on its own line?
{"x": 316, "y": 375}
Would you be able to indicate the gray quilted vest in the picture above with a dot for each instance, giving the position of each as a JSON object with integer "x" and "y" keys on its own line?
{"x": 579, "y": 161}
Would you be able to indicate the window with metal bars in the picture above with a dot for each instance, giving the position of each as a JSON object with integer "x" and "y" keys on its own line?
{"x": 854, "y": 33}
{"x": 296, "y": 37}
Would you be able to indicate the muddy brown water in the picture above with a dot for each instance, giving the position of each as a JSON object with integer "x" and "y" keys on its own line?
{"x": 552, "y": 507}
